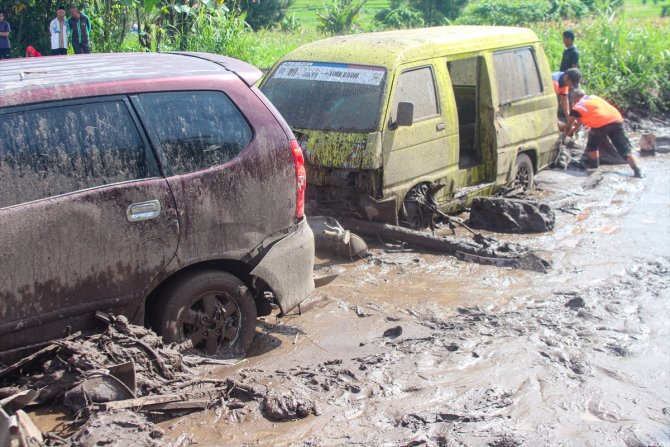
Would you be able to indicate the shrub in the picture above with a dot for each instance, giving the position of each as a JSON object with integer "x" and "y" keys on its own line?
{"x": 339, "y": 16}
{"x": 290, "y": 24}
{"x": 625, "y": 61}
{"x": 628, "y": 63}
{"x": 400, "y": 17}
{"x": 502, "y": 12}
{"x": 215, "y": 31}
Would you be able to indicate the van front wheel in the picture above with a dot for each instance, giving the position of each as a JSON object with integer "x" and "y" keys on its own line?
{"x": 212, "y": 309}
{"x": 415, "y": 212}
{"x": 523, "y": 172}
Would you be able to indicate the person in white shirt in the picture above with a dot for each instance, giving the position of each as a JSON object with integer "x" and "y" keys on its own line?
{"x": 60, "y": 33}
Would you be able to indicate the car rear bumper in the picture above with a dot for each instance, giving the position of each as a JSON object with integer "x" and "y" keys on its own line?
{"x": 288, "y": 266}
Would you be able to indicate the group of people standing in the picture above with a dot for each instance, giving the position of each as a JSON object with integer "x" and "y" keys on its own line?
{"x": 580, "y": 109}
{"x": 75, "y": 30}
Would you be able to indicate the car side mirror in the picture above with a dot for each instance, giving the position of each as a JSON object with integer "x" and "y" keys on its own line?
{"x": 404, "y": 115}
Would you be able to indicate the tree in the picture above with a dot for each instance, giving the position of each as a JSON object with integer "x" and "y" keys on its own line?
{"x": 29, "y": 20}
{"x": 264, "y": 13}
{"x": 438, "y": 12}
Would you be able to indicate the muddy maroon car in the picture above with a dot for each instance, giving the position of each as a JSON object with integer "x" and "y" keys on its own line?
{"x": 163, "y": 187}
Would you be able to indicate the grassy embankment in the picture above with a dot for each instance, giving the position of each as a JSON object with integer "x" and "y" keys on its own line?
{"x": 624, "y": 58}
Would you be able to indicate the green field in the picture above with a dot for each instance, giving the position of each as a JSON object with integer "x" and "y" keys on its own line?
{"x": 305, "y": 11}
{"x": 640, "y": 9}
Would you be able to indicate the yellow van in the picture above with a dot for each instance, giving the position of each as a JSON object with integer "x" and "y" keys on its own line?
{"x": 387, "y": 120}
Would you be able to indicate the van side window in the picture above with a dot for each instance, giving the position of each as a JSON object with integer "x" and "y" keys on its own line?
{"x": 418, "y": 87}
{"x": 517, "y": 75}
{"x": 65, "y": 148}
{"x": 197, "y": 129}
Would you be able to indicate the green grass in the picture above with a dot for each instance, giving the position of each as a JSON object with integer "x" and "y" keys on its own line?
{"x": 266, "y": 47}
{"x": 638, "y": 10}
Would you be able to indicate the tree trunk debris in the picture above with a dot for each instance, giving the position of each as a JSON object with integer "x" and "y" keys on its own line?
{"x": 482, "y": 250}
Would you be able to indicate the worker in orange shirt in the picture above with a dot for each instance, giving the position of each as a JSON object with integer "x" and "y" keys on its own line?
{"x": 564, "y": 82}
{"x": 605, "y": 121}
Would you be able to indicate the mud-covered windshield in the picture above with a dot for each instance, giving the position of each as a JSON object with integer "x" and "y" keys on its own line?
{"x": 327, "y": 96}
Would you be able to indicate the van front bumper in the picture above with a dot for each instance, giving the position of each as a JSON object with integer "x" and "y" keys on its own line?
{"x": 287, "y": 268}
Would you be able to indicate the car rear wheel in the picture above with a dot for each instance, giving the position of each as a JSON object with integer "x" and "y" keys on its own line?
{"x": 214, "y": 310}
{"x": 523, "y": 173}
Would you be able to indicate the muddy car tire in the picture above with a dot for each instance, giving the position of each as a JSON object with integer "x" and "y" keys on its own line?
{"x": 213, "y": 309}
{"x": 523, "y": 172}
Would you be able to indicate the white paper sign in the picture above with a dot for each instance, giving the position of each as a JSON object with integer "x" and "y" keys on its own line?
{"x": 329, "y": 72}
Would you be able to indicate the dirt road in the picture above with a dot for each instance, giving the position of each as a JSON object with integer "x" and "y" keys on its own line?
{"x": 416, "y": 349}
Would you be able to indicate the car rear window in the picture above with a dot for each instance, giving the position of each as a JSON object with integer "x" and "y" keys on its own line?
{"x": 68, "y": 147}
{"x": 327, "y": 96}
{"x": 196, "y": 129}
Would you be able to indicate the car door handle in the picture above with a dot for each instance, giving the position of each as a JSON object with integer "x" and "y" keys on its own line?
{"x": 440, "y": 127}
{"x": 143, "y": 210}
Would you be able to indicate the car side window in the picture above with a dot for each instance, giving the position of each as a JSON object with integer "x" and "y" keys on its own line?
{"x": 517, "y": 75}
{"x": 196, "y": 129}
{"x": 418, "y": 87}
{"x": 65, "y": 148}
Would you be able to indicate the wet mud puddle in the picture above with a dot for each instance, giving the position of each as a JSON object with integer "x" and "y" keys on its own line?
{"x": 407, "y": 348}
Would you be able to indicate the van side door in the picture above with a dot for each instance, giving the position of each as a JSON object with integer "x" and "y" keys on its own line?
{"x": 87, "y": 220}
{"x": 525, "y": 116}
{"x": 418, "y": 152}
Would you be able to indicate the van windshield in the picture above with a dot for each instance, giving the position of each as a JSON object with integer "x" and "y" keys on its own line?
{"x": 327, "y": 96}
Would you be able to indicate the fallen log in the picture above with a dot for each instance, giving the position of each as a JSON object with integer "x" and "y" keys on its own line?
{"x": 481, "y": 250}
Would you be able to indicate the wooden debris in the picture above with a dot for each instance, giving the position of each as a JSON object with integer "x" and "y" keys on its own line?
{"x": 150, "y": 403}
{"x": 480, "y": 249}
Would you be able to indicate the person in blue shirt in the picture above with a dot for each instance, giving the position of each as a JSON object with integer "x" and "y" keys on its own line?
{"x": 5, "y": 29}
{"x": 80, "y": 30}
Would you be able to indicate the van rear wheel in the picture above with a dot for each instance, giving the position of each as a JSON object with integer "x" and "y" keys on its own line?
{"x": 523, "y": 172}
{"x": 212, "y": 309}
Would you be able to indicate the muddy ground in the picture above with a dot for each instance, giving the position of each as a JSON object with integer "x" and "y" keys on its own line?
{"x": 408, "y": 349}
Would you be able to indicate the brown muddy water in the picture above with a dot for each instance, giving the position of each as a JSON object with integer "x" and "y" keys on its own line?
{"x": 477, "y": 355}
{"x": 408, "y": 349}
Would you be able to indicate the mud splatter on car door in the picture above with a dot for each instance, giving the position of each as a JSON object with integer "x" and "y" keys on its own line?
{"x": 87, "y": 220}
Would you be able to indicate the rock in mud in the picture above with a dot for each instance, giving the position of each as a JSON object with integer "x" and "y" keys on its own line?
{"x": 575, "y": 303}
{"x": 287, "y": 406}
{"x": 511, "y": 215}
{"x": 647, "y": 144}
{"x": 393, "y": 332}
{"x": 361, "y": 313}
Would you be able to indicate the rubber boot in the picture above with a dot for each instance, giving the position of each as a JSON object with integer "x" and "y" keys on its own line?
{"x": 632, "y": 162}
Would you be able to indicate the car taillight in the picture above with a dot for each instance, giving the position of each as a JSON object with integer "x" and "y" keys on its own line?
{"x": 300, "y": 177}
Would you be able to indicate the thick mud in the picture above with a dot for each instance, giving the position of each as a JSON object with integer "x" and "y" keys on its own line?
{"x": 408, "y": 349}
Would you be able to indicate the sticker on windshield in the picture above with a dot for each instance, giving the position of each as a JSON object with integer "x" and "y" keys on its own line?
{"x": 328, "y": 72}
